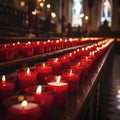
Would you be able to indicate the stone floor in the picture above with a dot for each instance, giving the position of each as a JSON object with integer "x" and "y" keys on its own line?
{"x": 112, "y": 107}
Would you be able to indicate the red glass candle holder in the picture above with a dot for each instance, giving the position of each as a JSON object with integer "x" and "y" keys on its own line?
{"x": 22, "y": 108}
{"x": 60, "y": 90}
{"x": 16, "y": 47}
{"x": 26, "y": 78}
{"x": 6, "y": 52}
{"x": 44, "y": 97}
{"x": 72, "y": 78}
{"x": 78, "y": 68}
{"x": 43, "y": 70}
{"x": 6, "y": 90}
{"x": 64, "y": 60}
{"x": 38, "y": 47}
{"x": 56, "y": 65}
{"x": 26, "y": 49}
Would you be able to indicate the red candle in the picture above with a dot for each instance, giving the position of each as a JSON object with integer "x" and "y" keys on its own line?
{"x": 60, "y": 89}
{"x": 16, "y": 47}
{"x": 71, "y": 56}
{"x": 6, "y": 52}
{"x": 64, "y": 60}
{"x": 44, "y": 97}
{"x": 6, "y": 89}
{"x": 24, "y": 111}
{"x": 44, "y": 70}
{"x": 26, "y": 78}
{"x": 26, "y": 49}
{"x": 77, "y": 67}
{"x": 38, "y": 47}
{"x": 73, "y": 80}
{"x": 56, "y": 65}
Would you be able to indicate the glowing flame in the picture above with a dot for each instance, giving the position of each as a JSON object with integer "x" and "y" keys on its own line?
{"x": 70, "y": 72}
{"x": 24, "y": 103}
{"x": 28, "y": 70}
{"x": 18, "y": 42}
{"x": 3, "y": 79}
{"x": 86, "y": 58}
{"x": 39, "y": 89}
{"x": 56, "y": 59}
{"x": 83, "y": 49}
{"x": 70, "y": 54}
{"x": 43, "y": 64}
{"x": 58, "y": 79}
{"x": 13, "y": 44}
{"x": 29, "y": 42}
{"x": 48, "y": 40}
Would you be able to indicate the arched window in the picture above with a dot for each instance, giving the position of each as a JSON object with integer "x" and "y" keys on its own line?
{"x": 106, "y": 11}
{"x": 77, "y": 13}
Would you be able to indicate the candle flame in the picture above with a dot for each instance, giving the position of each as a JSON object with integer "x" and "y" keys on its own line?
{"x": 3, "y": 79}
{"x": 5, "y": 45}
{"x": 28, "y": 70}
{"x": 43, "y": 64}
{"x": 18, "y": 42}
{"x": 58, "y": 79}
{"x": 70, "y": 54}
{"x": 13, "y": 44}
{"x": 39, "y": 89}
{"x": 29, "y": 42}
{"x": 56, "y": 59}
{"x": 24, "y": 103}
{"x": 57, "y": 41}
{"x": 48, "y": 40}
{"x": 70, "y": 72}
{"x": 83, "y": 49}
{"x": 74, "y": 52}
{"x": 86, "y": 58}
{"x": 38, "y": 42}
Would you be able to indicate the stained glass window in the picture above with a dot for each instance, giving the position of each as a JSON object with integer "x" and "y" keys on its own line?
{"x": 77, "y": 13}
{"x": 106, "y": 11}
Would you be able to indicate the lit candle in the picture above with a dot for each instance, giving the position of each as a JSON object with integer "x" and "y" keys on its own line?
{"x": 6, "y": 89}
{"x": 60, "y": 89}
{"x": 26, "y": 78}
{"x": 44, "y": 97}
{"x": 44, "y": 70}
{"x": 38, "y": 47}
{"x": 6, "y": 52}
{"x": 26, "y": 49}
{"x": 24, "y": 111}
{"x": 56, "y": 65}
{"x": 64, "y": 60}
{"x": 73, "y": 80}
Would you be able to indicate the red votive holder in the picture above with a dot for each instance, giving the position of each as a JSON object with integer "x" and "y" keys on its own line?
{"x": 72, "y": 78}
{"x": 71, "y": 56}
{"x": 38, "y": 47}
{"x": 44, "y": 97}
{"x": 6, "y": 52}
{"x": 22, "y": 108}
{"x": 16, "y": 47}
{"x": 77, "y": 67}
{"x": 26, "y": 78}
{"x": 60, "y": 89}
{"x": 43, "y": 70}
{"x": 6, "y": 90}
{"x": 64, "y": 60}
{"x": 56, "y": 65}
{"x": 26, "y": 49}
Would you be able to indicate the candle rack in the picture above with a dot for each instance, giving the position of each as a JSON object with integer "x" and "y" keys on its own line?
{"x": 87, "y": 104}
